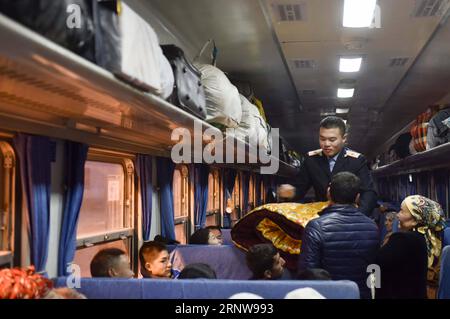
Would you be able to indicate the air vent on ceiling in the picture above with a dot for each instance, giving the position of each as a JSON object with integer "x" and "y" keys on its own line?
{"x": 398, "y": 62}
{"x": 430, "y": 8}
{"x": 305, "y": 64}
{"x": 347, "y": 81}
{"x": 308, "y": 92}
{"x": 290, "y": 12}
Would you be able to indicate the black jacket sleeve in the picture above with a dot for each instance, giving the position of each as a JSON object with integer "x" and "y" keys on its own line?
{"x": 303, "y": 182}
{"x": 368, "y": 196}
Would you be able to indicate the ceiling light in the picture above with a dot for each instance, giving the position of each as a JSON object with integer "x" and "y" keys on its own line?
{"x": 342, "y": 111}
{"x": 350, "y": 64}
{"x": 358, "y": 13}
{"x": 345, "y": 93}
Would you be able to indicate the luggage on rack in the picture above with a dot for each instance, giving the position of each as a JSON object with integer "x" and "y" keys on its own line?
{"x": 252, "y": 125}
{"x": 438, "y": 132}
{"x": 188, "y": 92}
{"x": 244, "y": 87}
{"x": 260, "y": 107}
{"x": 105, "y": 32}
{"x": 223, "y": 103}
{"x": 402, "y": 145}
{"x": 143, "y": 62}
{"x": 419, "y": 129}
{"x": 51, "y": 19}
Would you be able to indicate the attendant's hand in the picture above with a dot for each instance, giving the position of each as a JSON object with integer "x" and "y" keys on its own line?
{"x": 286, "y": 191}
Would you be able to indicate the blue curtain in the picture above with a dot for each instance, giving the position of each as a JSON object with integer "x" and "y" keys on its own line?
{"x": 440, "y": 181}
{"x": 258, "y": 194}
{"x": 75, "y": 158}
{"x": 144, "y": 173}
{"x": 165, "y": 170}
{"x": 34, "y": 153}
{"x": 201, "y": 173}
{"x": 245, "y": 190}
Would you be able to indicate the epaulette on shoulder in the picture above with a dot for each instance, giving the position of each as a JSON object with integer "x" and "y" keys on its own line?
{"x": 316, "y": 152}
{"x": 352, "y": 154}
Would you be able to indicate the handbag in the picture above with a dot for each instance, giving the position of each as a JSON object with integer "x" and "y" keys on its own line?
{"x": 188, "y": 92}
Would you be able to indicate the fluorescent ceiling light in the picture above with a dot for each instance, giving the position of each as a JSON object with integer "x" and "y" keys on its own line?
{"x": 342, "y": 111}
{"x": 358, "y": 13}
{"x": 345, "y": 93}
{"x": 350, "y": 64}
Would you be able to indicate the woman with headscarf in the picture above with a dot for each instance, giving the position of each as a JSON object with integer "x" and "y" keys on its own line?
{"x": 410, "y": 259}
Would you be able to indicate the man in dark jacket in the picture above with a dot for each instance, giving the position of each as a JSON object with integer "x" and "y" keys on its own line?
{"x": 333, "y": 157}
{"x": 343, "y": 241}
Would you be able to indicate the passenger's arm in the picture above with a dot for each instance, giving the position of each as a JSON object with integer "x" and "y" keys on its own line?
{"x": 311, "y": 246}
{"x": 368, "y": 196}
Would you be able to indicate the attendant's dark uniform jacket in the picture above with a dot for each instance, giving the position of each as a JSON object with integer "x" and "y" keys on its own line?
{"x": 315, "y": 172}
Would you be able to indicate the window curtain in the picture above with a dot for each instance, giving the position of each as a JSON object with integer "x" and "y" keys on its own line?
{"x": 229, "y": 179}
{"x": 201, "y": 174}
{"x": 34, "y": 153}
{"x": 144, "y": 173}
{"x": 245, "y": 190}
{"x": 440, "y": 181}
{"x": 75, "y": 158}
{"x": 165, "y": 170}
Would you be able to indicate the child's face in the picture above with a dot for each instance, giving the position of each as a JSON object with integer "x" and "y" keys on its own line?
{"x": 215, "y": 237}
{"x": 160, "y": 267}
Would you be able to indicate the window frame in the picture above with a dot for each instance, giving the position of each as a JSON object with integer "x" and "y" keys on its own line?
{"x": 186, "y": 202}
{"x": 8, "y": 194}
{"x": 129, "y": 202}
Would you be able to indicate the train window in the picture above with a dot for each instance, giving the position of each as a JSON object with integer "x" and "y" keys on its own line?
{"x": 213, "y": 208}
{"x": 181, "y": 203}
{"x": 251, "y": 193}
{"x": 235, "y": 201}
{"x": 107, "y": 211}
{"x": 7, "y": 196}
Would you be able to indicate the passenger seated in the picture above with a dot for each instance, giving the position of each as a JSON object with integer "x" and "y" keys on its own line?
{"x": 112, "y": 263}
{"x": 343, "y": 241}
{"x": 388, "y": 223}
{"x": 314, "y": 274}
{"x": 265, "y": 262}
{"x": 411, "y": 254}
{"x": 197, "y": 270}
{"x": 211, "y": 235}
{"x": 154, "y": 259}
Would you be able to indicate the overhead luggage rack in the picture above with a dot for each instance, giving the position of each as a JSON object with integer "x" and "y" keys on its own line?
{"x": 48, "y": 90}
{"x": 430, "y": 159}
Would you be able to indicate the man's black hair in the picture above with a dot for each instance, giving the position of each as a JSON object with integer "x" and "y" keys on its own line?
{"x": 104, "y": 260}
{"x": 260, "y": 258}
{"x": 344, "y": 188}
{"x": 197, "y": 270}
{"x": 334, "y": 122}
{"x": 314, "y": 274}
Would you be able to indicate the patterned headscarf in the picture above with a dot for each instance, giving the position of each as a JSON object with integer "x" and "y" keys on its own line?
{"x": 23, "y": 284}
{"x": 430, "y": 221}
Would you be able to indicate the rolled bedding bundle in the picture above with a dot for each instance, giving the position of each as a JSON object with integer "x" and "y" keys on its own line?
{"x": 281, "y": 224}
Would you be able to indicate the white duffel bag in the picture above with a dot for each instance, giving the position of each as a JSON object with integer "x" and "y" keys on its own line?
{"x": 252, "y": 125}
{"x": 223, "y": 104}
{"x": 143, "y": 61}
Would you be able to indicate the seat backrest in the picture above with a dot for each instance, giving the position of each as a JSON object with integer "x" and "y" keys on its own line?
{"x": 227, "y": 261}
{"x": 104, "y": 288}
{"x": 226, "y": 235}
{"x": 444, "y": 276}
{"x": 446, "y": 239}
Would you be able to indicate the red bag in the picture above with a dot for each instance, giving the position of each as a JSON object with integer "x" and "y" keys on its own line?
{"x": 420, "y": 128}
